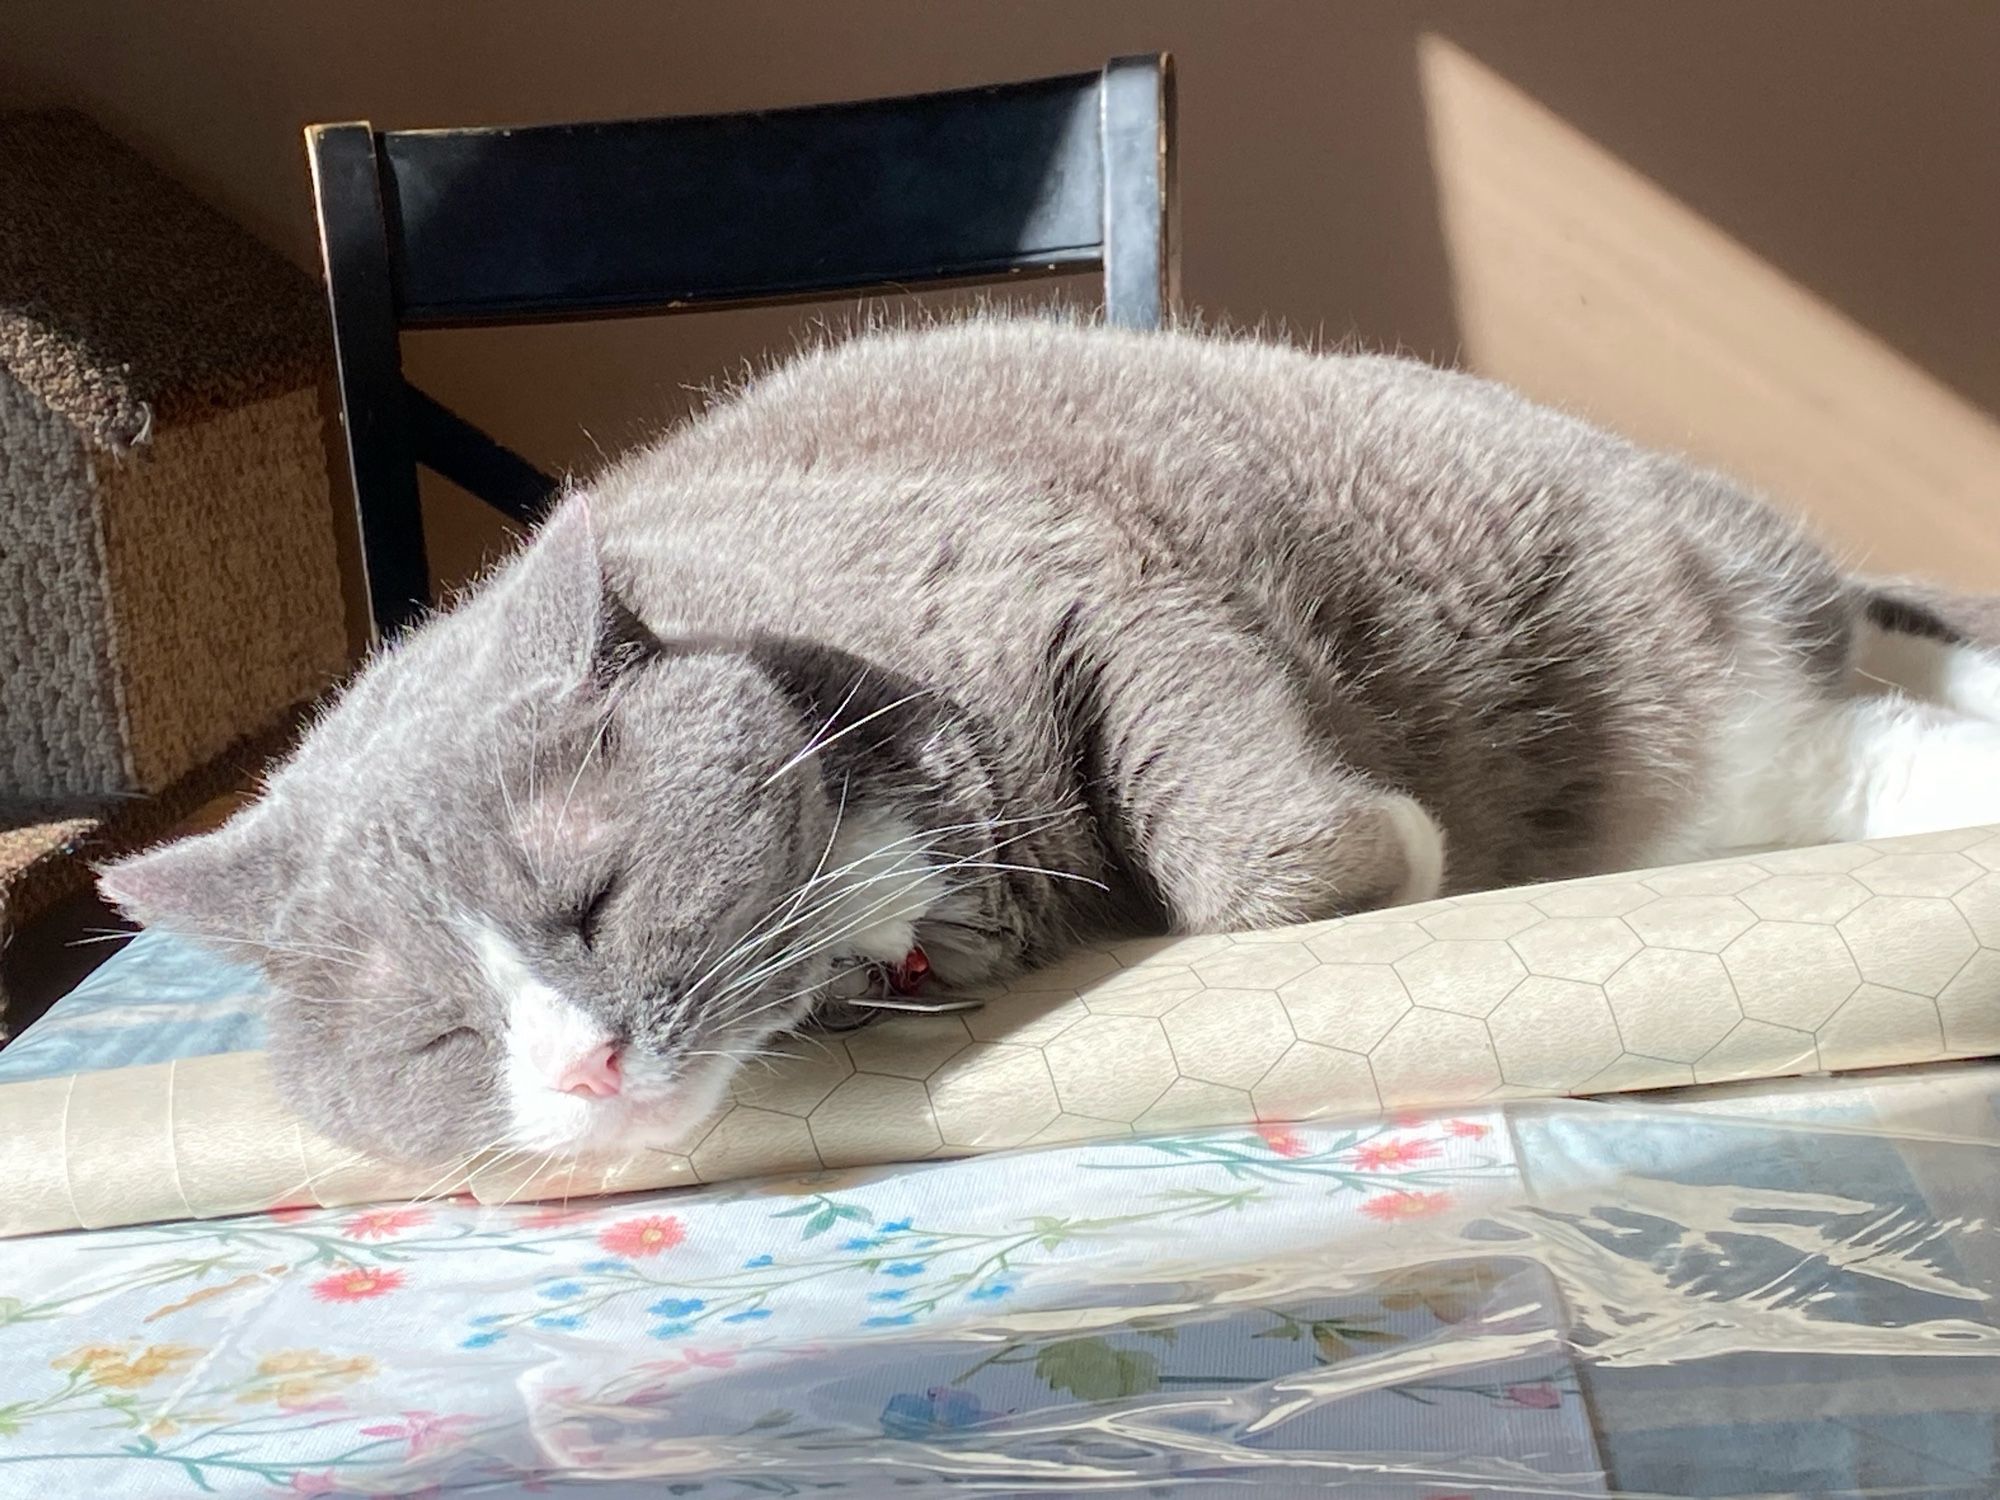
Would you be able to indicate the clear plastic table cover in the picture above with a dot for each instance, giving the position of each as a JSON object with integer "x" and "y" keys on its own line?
{"x": 1781, "y": 1289}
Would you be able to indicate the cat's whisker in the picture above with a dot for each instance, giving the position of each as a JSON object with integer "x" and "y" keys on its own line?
{"x": 337, "y": 954}
{"x": 793, "y": 954}
{"x": 796, "y": 951}
{"x": 799, "y": 955}
{"x": 530, "y": 848}
{"x": 811, "y": 750}
{"x": 813, "y": 739}
{"x": 609, "y": 709}
{"x": 539, "y": 1174}
{"x": 460, "y": 1167}
{"x": 1038, "y": 824}
{"x": 790, "y": 903}
{"x": 100, "y": 937}
{"x": 790, "y": 906}
{"x": 749, "y": 939}
{"x": 498, "y": 1162}
{"x": 310, "y": 1182}
{"x": 572, "y": 1159}
{"x": 440, "y": 1186}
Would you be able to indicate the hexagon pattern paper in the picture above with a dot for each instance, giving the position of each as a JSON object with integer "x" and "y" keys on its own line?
{"x": 1836, "y": 958}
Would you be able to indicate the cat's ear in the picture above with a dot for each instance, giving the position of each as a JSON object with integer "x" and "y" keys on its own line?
{"x": 216, "y": 887}
{"x": 554, "y": 596}
{"x": 562, "y": 616}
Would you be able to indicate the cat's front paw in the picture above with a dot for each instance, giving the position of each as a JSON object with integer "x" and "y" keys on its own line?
{"x": 1423, "y": 849}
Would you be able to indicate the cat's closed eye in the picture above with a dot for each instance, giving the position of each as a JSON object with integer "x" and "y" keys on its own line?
{"x": 456, "y": 1038}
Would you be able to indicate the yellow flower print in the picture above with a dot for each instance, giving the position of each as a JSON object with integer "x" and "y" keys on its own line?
{"x": 1451, "y": 1293}
{"x": 805, "y": 1185}
{"x": 87, "y": 1357}
{"x": 115, "y": 1367}
{"x": 293, "y": 1377}
{"x": 166, "y": 1427}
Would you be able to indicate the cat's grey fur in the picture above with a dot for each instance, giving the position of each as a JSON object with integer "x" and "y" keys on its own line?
{"x": 1169, "y": 624}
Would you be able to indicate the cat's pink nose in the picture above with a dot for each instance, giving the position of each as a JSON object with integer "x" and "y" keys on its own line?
{"x": 595, "y": 1075}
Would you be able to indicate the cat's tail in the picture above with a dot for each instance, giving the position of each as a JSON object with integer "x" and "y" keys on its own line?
{"x": 1933, "y": 644}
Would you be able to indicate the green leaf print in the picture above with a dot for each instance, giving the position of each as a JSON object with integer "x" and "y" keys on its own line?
{"x": 819, "y": 1224}
{"x": 1092, "y": 1370}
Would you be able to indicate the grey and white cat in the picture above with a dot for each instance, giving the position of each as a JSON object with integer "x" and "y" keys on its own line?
{"x": 977, "y": 637}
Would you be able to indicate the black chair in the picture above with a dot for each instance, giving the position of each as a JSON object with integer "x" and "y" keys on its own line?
{"x": 457, "y": 228}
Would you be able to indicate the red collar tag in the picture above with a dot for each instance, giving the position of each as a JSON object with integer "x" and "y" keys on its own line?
{"x": 907, "y": 977}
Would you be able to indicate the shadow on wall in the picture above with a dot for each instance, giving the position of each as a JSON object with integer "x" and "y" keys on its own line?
{"x": 1582, "y": 282}
{"x": 1762, "y": 234}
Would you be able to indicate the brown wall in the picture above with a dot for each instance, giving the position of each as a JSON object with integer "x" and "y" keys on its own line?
{"x": 1762, "y": 233}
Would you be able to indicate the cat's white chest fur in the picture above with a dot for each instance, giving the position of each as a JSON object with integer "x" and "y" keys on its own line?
{"x": 879, "y": 881}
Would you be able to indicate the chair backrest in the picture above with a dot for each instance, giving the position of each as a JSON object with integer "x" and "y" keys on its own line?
{"x": 456, "y": 228}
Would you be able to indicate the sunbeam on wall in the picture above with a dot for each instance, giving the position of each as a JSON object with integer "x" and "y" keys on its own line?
{"x": 1581, "y": 281}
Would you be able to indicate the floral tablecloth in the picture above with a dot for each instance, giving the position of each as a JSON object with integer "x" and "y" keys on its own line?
{"x": 1773, "y": 1290}
{"x": 1782, "y": 1295}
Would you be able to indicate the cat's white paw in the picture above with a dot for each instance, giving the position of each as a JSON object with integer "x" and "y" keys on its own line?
{"x": 1423, "y": 849}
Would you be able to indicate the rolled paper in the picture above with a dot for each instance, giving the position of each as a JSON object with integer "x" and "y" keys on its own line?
{"x": 1802, "y": 961}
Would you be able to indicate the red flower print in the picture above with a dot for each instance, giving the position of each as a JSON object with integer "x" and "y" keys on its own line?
{"x": 384, "y": 1223}
{"x": 321, "y": 1483}
{"x": 643, "y": 1237}
{"x": 1541, "y": 1395}
{"x": 1380, "y": 1156}
{"x": 1467, "y": 1130}
{"x": 292, "y": 1215}
{"x": 709, "y": 1359}
{"x": 424, "y": 1431}
{"x": 356, "y": 1285}
{"x": 1282, "y": 1142}
{"x": 554, "y": 1216}
{"x": 1388, "y": 1208}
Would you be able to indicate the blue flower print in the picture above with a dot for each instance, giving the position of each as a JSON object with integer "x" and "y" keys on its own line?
{"x": 755, "y": 1261}
{"x": 487, "y": 1320}
{"x": 748, "y": 1315}
{"x": 894, "y": 1294}
{"x": 676, "y": 1307}
{"x": 604, "y": 1267}
{"x": 993, "y": 1291}
{"x": 868, "y": 1243}
{"x": 896, "y": 1226}
{"x": 940, "y": 1409}
{"x": 567, "y": 1320}
{"x": 886, "y": 1320}
{"x": 670, "y": 1330}
{"x": 559, "y": 1291}
{"x": 482, "y": 1340}
{"x": 904, "y": 1268}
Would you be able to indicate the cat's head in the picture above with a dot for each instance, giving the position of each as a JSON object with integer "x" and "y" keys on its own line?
{"x": 533, "y": 881}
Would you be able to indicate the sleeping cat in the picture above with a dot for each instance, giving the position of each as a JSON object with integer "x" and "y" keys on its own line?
{"x": 971, "y": 639}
